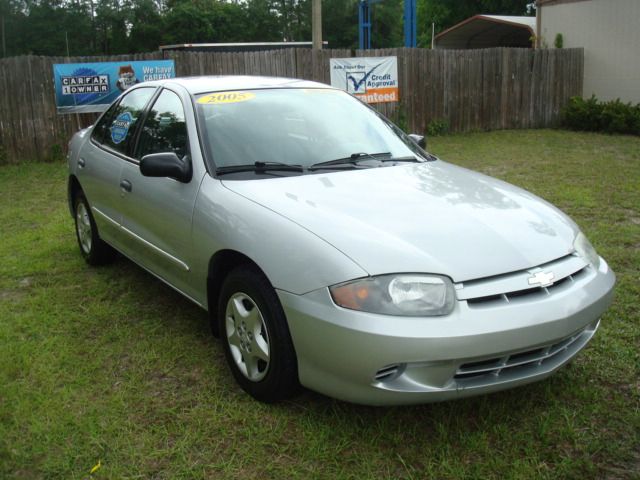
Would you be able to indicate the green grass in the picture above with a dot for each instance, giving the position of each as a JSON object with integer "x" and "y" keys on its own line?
{"x": 109, "y": 364}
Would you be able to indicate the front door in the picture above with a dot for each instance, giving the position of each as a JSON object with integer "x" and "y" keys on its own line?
{"x": 157, "y": 212}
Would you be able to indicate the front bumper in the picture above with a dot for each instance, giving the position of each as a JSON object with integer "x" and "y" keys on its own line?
{"x": 381, "y": 360}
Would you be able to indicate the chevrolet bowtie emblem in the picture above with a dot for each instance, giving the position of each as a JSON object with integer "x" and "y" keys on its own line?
{"x": 542, "y": 279}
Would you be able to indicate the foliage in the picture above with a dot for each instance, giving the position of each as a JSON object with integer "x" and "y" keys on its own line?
{"x": 387, "y": 24}
{"x": 610, "y": 117}
{"x": 399, "y": 117}
{"x": 437, "y": 127}
{"x": 559, "y": 41}
{"x": 147, "y": 27}
{"x": 56, "y": 154}
{"x": 340, "y": 24}
{"x": 203, "y": 21}
{"x": 109, "y": 364}
{"x": 581, "y": 114}
{"x": 106, "y": 27}
{"x": 446, "y": 13}
{"x": 97, "y": 27}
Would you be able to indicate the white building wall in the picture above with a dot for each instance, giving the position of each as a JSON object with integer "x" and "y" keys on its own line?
{"x": 609, "y": 32}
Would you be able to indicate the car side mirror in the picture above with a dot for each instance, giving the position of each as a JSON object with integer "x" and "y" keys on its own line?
{"x": 166, "y": 164}
{"x": 419, "y": 140}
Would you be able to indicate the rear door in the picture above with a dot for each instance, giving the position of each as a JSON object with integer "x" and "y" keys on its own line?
{"x": 102, "y": 157}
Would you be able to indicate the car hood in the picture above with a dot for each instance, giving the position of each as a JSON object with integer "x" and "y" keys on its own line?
{"x": 431, "y": 217}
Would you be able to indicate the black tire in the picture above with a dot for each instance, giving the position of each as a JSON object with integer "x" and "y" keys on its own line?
{"x": 244, "y": 290}
{"x": 93, "y": 249}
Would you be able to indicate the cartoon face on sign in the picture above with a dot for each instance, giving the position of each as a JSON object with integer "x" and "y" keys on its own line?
{"x": 126, "y": 77}
{"x": 120, "y": 127}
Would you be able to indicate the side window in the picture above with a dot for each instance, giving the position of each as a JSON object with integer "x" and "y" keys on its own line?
{"x": 102, "y": 127}
{"x": 164, "y": 129}
{"x": 121, "y": 124}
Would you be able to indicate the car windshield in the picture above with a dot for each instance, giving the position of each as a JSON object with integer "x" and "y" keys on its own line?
{"x": 303, "y": 127}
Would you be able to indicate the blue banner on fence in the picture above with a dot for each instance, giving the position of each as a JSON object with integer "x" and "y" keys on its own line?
{"x": 91, "y": 87}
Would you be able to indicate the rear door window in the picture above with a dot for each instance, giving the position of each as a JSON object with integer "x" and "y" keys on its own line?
{"x": 117, "y": 129}
{"x": 102, "y": 127}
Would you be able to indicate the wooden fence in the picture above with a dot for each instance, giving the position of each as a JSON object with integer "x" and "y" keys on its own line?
{"x": 486, "y": 89}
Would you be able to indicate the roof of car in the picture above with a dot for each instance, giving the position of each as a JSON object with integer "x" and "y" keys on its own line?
{"x": 221, "y": 83}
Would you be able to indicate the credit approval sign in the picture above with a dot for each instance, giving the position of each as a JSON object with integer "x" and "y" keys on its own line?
{"x": 371, "y": 79}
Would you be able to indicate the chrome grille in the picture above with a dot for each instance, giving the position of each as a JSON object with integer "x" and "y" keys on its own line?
{"x": 508, "y": 363}
{"x": 514, "y": 286}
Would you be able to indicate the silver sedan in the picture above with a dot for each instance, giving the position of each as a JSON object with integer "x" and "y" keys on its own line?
{"x": 331, "y": 250}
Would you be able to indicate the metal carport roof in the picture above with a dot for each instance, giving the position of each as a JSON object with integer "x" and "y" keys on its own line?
{"x": 486, "y": 31}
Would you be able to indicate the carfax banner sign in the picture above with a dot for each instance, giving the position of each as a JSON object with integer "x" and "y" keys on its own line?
{"x": 91, "y": 87}
{"x": 371, "y": 79}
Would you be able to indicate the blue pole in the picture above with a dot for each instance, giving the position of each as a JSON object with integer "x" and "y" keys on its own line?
{"x": 410, "y": 24}
{"x": 364, "y": 25}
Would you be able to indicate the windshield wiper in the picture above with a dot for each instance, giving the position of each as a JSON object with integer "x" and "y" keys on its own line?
{"x": 351, "y": 161}
{"x": 259, "y": 167}
{"x": 355, "y": 158}
{"x": 400, "y": 159}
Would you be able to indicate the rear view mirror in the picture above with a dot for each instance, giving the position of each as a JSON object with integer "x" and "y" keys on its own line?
{"x": 419, "y": 140}
{"x": 166, "y": 164}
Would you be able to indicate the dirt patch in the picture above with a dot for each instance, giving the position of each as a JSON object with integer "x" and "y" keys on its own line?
{"x": 11, "y": 295}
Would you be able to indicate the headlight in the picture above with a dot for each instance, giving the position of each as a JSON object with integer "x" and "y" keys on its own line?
{"x": 409, "y": 295}
{"x": 584, "y": 248}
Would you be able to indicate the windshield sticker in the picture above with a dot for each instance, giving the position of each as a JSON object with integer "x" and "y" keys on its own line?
{"x": 226, "y": 97}
{"x": 120, "y": 127}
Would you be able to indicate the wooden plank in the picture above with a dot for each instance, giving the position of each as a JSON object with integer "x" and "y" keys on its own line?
{"x": 7, "y": 135}
{"x": 217, "y": 63}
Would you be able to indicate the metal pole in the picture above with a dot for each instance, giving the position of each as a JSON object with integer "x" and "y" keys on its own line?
{"x": 433, "y": 35}
{"x": 4, "y": 43}
{"x": 316, "y": 24}
{"x": 410, "y": 24}
{"x": 66, "y": 37}
{"x": 414, "y": 23}
{"x": 364, "y": 24}
{"x": 538, "y": 34}
{"x": 361, "y": 27}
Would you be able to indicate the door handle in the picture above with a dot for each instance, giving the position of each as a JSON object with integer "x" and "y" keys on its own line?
{"x": 81, "y": 162}
{"x": 125, "y": 185}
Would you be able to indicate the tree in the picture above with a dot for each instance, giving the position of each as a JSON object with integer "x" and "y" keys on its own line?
{"x": 147, "y": 26}
{"x": 112, "y": 26}
{"x": 43, "y": 28}
{"x": 14, "y": 19}
{"x": 203, "y": 21}
{"x": 387, "y": 24}
{"x": 263, "y": 24}
{"x": 340, "y": 23}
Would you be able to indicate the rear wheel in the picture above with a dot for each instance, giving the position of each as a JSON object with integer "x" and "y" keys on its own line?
{"x": 256, "y": 338}
{"x": 93, "y": 249}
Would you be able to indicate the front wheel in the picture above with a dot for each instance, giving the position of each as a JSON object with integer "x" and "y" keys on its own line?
{"x": 256, "y": 338}
{"x": 94, "y": 250}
